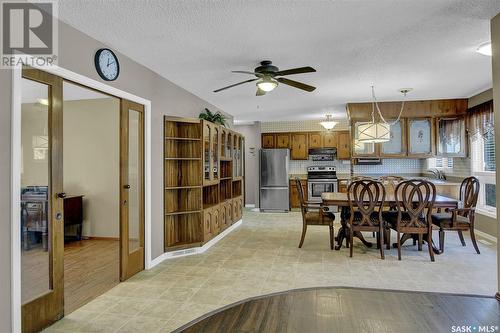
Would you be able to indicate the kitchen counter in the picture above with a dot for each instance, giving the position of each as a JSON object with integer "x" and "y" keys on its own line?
{"x": 302, "y": 176}
{"x": 452, "y": 182}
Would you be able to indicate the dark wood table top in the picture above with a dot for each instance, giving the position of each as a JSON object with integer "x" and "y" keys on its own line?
{"x": 340, "y": 199}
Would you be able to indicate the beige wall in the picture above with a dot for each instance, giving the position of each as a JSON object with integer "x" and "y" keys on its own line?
{"x": 76, "y": 53}
{"x": 495, "y": 39}
{"x": 92, "y": 162}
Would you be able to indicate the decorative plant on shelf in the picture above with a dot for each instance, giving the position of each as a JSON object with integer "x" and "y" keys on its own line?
{"x": 216, "y": 118}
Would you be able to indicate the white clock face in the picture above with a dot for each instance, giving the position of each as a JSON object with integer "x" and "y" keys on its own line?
{"x": 108, "y": 65}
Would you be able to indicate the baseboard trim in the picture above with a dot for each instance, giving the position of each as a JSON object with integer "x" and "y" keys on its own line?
{"x": 194, "y": 250}
{"x": 250, "y": 205}
{"x": 486, "y": 236}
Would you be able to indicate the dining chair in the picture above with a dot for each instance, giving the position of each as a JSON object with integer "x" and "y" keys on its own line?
{"x": 414, "y": 201}
{"x": 366, "y": 199}
{"x": 313, "y": 213}
{"x": 462, "y": 218}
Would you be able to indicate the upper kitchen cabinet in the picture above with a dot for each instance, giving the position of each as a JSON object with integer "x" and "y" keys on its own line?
{"x": 299, "y": 146}
{"x": 211, "y": 144}
{"x": 282, "y": 140}
{"x": 396, "y": 146}
{"x": 315, "y": 140}
{"x": 268, "y": 140}
{"x": 361, "y": 149}
{"x": 330, "y": 139}
{"x": 420, "y": 137}
{"x": 343, "y": 145}
{"x": 451, "y": 137}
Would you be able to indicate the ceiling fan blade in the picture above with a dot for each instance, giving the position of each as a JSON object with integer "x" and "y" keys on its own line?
{"x": 234, "y": 85}
{"x": 260, "y": 92}
{"x": 296, "y": 84}
{"x": 243, "y": 72}
{"x": 299, "y": 70}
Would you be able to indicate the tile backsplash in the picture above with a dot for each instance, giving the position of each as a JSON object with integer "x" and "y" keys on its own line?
{"x": 301, "y": 126}
{"x": 388, "y": 166}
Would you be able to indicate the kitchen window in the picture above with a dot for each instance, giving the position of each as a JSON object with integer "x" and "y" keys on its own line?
{"x": 440, "y": 163}
{"x": 483, "y": 161}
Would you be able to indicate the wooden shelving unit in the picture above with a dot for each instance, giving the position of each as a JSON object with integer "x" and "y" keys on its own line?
{"x": 203, "y": 181}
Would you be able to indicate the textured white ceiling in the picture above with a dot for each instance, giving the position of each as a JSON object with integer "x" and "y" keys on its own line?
{"x": 428, "y": 45}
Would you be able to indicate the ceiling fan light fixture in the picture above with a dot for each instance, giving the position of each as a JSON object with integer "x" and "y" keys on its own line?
{"x": 267, "y": 84}
{"x": 329, "y": 123}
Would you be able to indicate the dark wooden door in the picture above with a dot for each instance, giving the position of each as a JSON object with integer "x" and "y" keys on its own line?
{"x": 131, "y": 189}
{"x": 42, "y": 206}
{"x": 299, "y": 146}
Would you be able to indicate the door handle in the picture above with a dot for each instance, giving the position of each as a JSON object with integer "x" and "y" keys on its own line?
{"x": 126, "y": 186}
{"x": 61, "y": 195}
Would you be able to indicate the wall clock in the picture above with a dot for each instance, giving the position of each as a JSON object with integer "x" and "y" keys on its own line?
{"x": 106, "y": 64}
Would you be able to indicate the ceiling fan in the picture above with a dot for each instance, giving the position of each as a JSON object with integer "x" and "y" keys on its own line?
{"x": 267, "y": 78}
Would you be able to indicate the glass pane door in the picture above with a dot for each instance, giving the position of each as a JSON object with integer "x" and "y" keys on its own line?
{"x": 41, "y": 201}
{"x": 132, "y": 189}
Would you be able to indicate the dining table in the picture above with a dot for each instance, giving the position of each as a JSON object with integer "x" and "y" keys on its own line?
{"x": 341, "y": 200}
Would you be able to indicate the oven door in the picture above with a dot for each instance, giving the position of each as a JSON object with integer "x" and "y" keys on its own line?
{"x": 317, "y": 187}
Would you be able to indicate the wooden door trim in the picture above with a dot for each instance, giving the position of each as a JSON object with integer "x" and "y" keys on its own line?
{"x": 49, "y": 307}
{"x": 130, "y": 262}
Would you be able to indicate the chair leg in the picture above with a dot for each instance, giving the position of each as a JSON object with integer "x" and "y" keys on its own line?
{"x": 399, "y": 245}
{"x": 473, "y": 239}
{"x": 420, "y": 241}
{"x": 373, "y": 234}
{"x": 414, "y": 242}
{"x": 304, "y": 229}
{"x": 441, "y": 240}
{"x": 388, "y": 238}
{"x": 380, "y": 245}
{"x": 331, "y": 236}
{"x": 461, "y": 236}
{"x": 351, "y": 240}
{"x": 429, "y": 244}
{"x": 377, "y": 235}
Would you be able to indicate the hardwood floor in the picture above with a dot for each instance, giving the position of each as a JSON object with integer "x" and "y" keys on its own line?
{"x": 91, "y": 267}
{"x": 352, "y": 310}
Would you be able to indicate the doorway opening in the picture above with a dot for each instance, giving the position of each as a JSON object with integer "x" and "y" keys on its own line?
{"x": 82, "y": 196}
{"x": 91, "y": 181}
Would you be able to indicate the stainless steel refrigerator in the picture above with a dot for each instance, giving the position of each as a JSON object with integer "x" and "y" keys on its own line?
{"x": 274, "y": 191}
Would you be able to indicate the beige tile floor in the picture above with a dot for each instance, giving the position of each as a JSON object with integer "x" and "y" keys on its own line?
{"x": 260, "y": 257}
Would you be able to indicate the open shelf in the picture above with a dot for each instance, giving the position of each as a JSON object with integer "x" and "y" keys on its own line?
{"x": 180, "y": 173}
{"x": 181, "y": 149}
{"x": 184, "y": 200}
{"x": 210, "y": 196}
{"x": 180, "y": 129}
{"x": 226, "y": 169}
{"x": 236, "y": 188}
{"x": 183, "y": 231}
{"x": 225, "y": 189}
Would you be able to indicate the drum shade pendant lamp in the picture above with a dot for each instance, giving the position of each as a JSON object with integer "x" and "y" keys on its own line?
{"x": 380, "y": 130}
{"x": 329, "y": 123}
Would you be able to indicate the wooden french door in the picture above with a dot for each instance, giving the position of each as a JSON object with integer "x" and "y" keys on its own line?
{"x": 42, "y": 216}
{"x": 132, "y": 189}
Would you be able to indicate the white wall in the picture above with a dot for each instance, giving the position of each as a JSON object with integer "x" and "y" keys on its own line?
{"x": 92, "y": 162}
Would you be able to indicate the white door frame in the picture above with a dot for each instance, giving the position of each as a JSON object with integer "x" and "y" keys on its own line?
{"x": 16, "y": 174}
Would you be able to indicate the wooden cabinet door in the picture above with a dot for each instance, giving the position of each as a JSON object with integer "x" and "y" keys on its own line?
{"x": 268, "y": 140}
{"x": 343, "y": 145}
{"x": 222, "y": 217}
{"x": 282, "y": 140}
{"x": 315, "y": 140}
{"x": 299, "y": 146}
{"x": 396, "y": 146}
{"x": 330, "y": 140}
{"x": 215, "y": 221}
{"x": 207, "y": 225}
{"x": 295, "y": 195}
{"x": 451, "y": 137}
{"x": 420, "y": 137}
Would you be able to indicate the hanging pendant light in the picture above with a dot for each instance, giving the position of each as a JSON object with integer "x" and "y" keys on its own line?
{"x": 329, "y": 123}
{"x": 378, "y": 131}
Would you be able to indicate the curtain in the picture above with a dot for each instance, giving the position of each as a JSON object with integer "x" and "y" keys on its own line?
{"x": 480, "y": 120}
